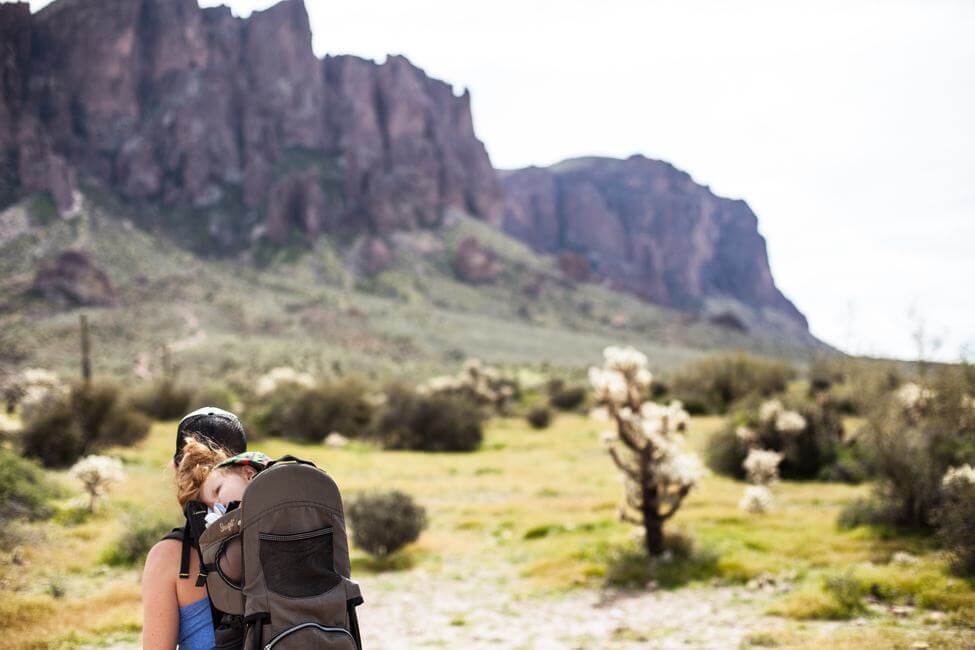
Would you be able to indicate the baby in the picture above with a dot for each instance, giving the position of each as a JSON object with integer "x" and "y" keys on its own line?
{"x": 213, "y": 477}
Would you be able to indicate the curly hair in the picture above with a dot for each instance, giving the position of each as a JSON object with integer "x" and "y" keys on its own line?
{"x": 197, "y": 462}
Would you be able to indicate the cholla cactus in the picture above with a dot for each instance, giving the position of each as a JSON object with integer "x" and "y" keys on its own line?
{"x": 790, "y": 422}
{"x": 646, "y": 445}
{"x": 762, "y": 466}
{"x": 913, "y": 397}
{"x": 33, "y": 388}
{"x": 757, "y": 499}
{"x": 482, "y": 383}
{"x": 784, "y": 420}
{"x": 959, "y": 476}
{"x": 97, "y": 474}
{"x": 9, "y": 424}
{"x": 282, "y": 376}
{"x": 769, "y": 410}
{"x": 762, "y": 469}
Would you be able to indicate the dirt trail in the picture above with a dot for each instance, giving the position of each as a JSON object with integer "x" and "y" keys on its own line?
{"x": 421, "y": 609}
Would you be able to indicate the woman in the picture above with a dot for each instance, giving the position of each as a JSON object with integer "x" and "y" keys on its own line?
{"x": 176, "y": 611}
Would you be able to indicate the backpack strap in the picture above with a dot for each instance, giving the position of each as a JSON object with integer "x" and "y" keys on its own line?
{"x": 196, "y": 513}
{"x": 184, "y": 556}
{"x": 256, "y": 622}
{"x": 184, "y": 536}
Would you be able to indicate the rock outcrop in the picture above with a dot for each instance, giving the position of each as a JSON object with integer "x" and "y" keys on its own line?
{"x": 476, "y": 263}
{"x": 168, "y": 104}
{"x": 74, "y": 279}
{"x": 647, "y": 228}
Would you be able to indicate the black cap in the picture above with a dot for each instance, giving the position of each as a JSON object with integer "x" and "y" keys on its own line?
{"x": 215, "y": 425}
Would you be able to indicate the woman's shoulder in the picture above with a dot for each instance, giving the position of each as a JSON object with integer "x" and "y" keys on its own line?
{"x": 164, "y": 552}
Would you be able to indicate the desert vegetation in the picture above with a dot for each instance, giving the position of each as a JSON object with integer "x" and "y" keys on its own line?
{"x": 531, "y": 504}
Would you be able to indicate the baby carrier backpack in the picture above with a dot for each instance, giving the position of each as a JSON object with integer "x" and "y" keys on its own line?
{"x": 279, "y": 563}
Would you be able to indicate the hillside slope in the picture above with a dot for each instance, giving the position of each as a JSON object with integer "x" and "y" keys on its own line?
{"x": 315, "y": 308}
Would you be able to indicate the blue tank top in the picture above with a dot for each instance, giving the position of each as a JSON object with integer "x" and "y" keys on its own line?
{"x": 196, "y": 626}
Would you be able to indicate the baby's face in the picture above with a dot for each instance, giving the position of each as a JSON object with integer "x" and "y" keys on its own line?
{"x": 225, "y": 485}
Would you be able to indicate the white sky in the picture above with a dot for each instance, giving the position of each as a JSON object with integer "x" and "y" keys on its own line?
{"x": 848, "y": 126}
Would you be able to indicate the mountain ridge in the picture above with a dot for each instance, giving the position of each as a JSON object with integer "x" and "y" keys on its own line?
{"x": 240, "y": 140}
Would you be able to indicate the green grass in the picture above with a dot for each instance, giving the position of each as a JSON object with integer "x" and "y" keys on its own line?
{"x": 537, "y": 506}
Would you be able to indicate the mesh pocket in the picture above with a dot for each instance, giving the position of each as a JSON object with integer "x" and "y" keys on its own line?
{"x": 298, "y": 565}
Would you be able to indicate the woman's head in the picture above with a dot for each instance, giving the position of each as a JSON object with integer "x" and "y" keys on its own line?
{"x": 199, "y": 479}
{"x": 219, "y": 427}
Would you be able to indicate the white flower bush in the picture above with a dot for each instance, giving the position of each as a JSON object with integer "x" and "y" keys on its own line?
{"x": 790, "y": 422}
{"x": 783, "y": 419}
{"x": 485, "y": 384}
{"x": 9, "y": 424}
{"x": 913, "y": 396}
{"x": 962, "y": 475}
{"x": 746, "y": 435}
{"x": 769, "y": 410}
{"x": 647, "y": 444}
{"x": 762, "y": 469}
{"x": 756, "y": 500}
{"x": 282, "y": 376}
{"x": 34, "y": 387}
{"x": 97, "y": 474}
{"x": 762, "y": 466}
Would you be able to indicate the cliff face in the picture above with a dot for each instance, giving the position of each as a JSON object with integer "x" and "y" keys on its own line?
{"x": 166, "y": 103}
{"x": 649, "y": 229}
{"x": 234, "y": 132}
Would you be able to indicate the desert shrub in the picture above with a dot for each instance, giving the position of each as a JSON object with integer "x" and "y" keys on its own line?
{"x": 91, "y": 416}
{"x": 912, "y": 438}
{"x": 682, "y": 562}
{"x": 807, "y": 434}
{"x": 539, "y": 417}
{"x": 954, "y": 519}
{"x": 434, "y": 422}
{"x": 24, "y": 490}
{"x": 714, "y": 384}
{"x": 384, "y": 522}
{"x": 163, "y": 399}
{"x": 567, "y": 398}
{"x": 311, "y": 413}
{"x": 849, "y": 467}
{"x": 848, "y": 593}
{"x": 852, "y": 386}
{"x": 215, "y": 394}
{"x": 863, "y": 512}
{"x": 53, "y": 436}
{"x": 141, "y": 532}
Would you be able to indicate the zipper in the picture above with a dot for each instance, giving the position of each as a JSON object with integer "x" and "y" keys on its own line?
{"x": 275, "y": 537}
{"x": 291, "y": 630}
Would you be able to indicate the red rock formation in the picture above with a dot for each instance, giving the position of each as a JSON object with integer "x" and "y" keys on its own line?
{"x": 649, "y": 229}
{"x": 28, "y": 161}
{"x": 476, "y": 263}
{"x": 73, "y": 278}
{"x": 167, "y": 103}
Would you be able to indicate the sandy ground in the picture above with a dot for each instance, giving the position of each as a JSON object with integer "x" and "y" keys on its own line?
{"x": 436, "y": 611}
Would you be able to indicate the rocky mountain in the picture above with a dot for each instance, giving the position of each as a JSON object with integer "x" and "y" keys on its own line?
{"x": 232, "y": 137}
{"x": 168, "y": 104}
{"x": 647, "y": 228}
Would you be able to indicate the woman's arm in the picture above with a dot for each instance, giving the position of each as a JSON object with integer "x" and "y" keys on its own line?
{"x": 160, "y": 609}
